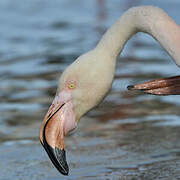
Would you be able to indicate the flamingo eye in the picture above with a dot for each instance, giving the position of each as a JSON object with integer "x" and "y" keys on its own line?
{"x": 71, "y": 86}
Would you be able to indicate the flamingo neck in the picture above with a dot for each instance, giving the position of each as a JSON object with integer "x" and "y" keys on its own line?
{"x": 148, "y": 19}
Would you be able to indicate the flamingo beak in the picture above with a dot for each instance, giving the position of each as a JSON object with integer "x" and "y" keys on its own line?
{"x": 52, "y": 137}
{"x": 163, "y": 86}
{"x": 59, "y": 121}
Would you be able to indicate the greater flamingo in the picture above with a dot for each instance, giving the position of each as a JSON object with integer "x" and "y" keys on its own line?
{"x": 85, "y": 83}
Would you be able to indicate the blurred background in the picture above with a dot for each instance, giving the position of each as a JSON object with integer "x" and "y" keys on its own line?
{"x": 129, "y": 136}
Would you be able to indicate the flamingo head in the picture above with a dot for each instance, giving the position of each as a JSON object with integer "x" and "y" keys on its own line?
{"x": 81, "y": 87}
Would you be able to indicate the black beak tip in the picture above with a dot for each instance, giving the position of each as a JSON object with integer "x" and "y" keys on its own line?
{"x": 58, "y": 158}
{"x": 61, "y": 158}
{"x": 130, "y": 87}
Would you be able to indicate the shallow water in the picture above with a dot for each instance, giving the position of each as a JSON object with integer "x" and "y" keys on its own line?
{"x": 128, "y": 136}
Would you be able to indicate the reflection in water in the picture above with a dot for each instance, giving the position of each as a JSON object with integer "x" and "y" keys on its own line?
{"x": 130, "y": 135}
{"x": 101, "y": 17}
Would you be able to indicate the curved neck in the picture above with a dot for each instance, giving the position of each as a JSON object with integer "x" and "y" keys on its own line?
{"x": 148, "y": 19}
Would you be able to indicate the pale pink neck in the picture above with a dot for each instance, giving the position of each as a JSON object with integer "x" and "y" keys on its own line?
{"x": 148, "y": 19}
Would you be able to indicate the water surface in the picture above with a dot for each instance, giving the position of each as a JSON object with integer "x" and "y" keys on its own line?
{"x": 128, "y": 136}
